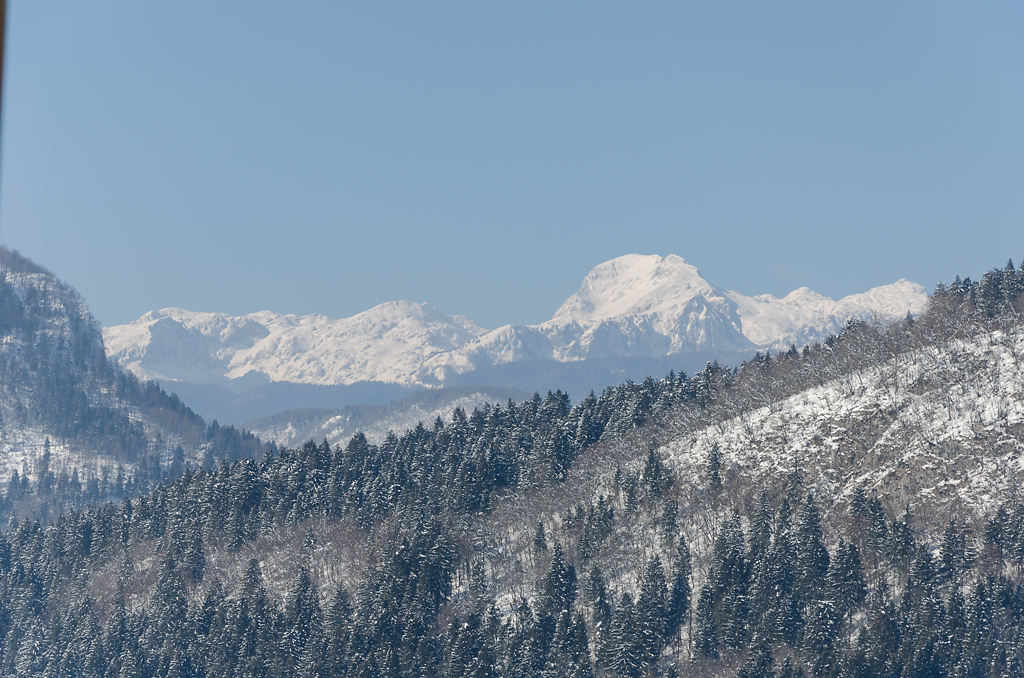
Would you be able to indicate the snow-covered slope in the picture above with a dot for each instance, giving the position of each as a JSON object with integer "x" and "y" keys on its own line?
{"x": 48, "y": 342}
{"x": 635, "y": 306}
{"x": 939, "y": 428}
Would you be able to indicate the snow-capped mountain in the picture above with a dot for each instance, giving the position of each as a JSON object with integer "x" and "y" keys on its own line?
{"x": 804, "y": 316}
{"x": 387, "y": 343}
{"x": 632, "y": 307}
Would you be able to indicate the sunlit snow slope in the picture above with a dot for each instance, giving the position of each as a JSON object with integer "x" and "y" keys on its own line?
{"x": 940, "y": 427}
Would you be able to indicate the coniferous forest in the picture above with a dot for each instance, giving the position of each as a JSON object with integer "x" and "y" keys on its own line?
{"x": 394, "y": 559}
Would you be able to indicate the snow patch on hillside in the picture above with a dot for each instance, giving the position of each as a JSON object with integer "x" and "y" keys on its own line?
{"x": 941, "y": 428}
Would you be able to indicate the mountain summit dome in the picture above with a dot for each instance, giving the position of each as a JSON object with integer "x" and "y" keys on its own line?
{"x": 635, "y": 285}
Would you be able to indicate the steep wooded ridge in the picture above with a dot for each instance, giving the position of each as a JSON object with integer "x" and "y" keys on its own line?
{"x": 843, "y": 510}
{"x": 74, "y": 427}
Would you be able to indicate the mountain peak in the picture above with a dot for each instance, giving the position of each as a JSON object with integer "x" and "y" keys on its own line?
{"x": 634, "y": 284}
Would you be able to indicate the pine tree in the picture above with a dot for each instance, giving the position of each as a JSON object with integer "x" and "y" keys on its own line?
{"x": 730, "y": 582}
{"x": 706, "y": 631}
{"x": 652, "y": 612}
{"x": 169, "y": 606}
{"x": 655, "y": 476}
{"x": 790, "y": 669}
{"x": 821, "y": 635}
{"x": 678, "y": 608}
{"x": 559, "y": 585}
{"x": 773, "y": 599}
{"x": 761, "y": 529}
{"x": 540, "y": 540}
{"x": 303, "y": 616}
{"x": 954, "y": 556}
{"x": 194, "y": 558}
{"x": 669, "y": 521}
{"x": 600, "y": 604}
{"x": 338, "y": 631}
{"x": 812, "y": 559}
{"x": 845, "y": 582}
{"x": 760, "y": 663}
{"x": 623, "y": 654}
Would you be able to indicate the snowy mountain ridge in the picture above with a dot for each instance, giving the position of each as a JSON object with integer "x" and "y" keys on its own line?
{"x": 385, "y": 343}
{"x": 630, "y": 307}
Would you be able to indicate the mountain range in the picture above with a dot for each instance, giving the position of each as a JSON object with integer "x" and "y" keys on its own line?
{"x": 631, "y": 316}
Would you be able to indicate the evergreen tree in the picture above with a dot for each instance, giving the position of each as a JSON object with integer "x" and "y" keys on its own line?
{"x": 652, "y": 612}
{"x": 954, "y": 557}
{"x": 773, "y": 600}
{"x": 655, "y": 476}
{"x": 540, "y": 540}
{"x": 623, "y": 655}
{"x": 845, "y": 584}
{"x": 760, "y": 663}
{"x": 303, "y": 618}
{"x": 194, "y": 558}
{"x": 678, "y": 607}
{"x": 812, "y": 559}
{"x": 761, "y": 529}
{"x": 706, "y": 631}
{"x": 669, "y": 521}
{"x": 600, "y": 604}
{"x": 559, "y": 585}
{"x": 169, "y": 605}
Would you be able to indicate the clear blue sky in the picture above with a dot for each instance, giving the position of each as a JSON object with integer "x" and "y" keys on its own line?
{"x": 328, "y": 156}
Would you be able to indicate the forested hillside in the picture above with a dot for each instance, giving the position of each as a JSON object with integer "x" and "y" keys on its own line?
{"x": 766, "y": 520}
{"x": 75, "y": 428}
